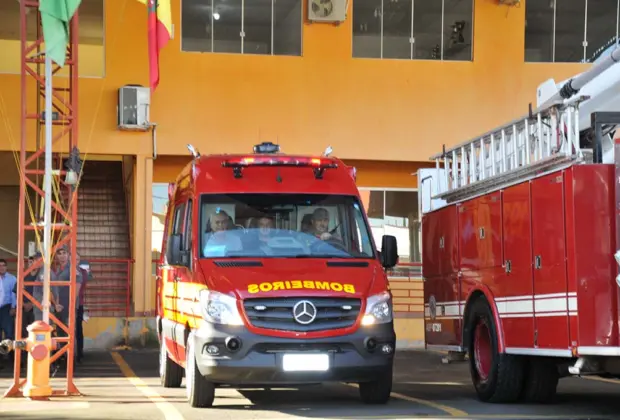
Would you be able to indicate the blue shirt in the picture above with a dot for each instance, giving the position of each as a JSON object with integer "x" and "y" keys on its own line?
{"x": 8, "y": 283}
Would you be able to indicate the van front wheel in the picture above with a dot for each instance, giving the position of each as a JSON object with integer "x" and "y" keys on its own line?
{"x": 377, "y": 391}
{"x": 200, "y": 392}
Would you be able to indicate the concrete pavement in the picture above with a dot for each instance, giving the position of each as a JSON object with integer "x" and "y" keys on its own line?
{"x": 124, "y": 385}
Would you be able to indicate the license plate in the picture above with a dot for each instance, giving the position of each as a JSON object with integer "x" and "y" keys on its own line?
{"x": 305, "y": 362}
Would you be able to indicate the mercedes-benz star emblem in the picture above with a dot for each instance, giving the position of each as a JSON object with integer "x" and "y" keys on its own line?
{"x": 304, "y": 312}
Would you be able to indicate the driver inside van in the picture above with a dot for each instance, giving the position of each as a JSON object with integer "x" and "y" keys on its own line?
{"x": 218, "y": 240}
{"x": 320, "y": 224}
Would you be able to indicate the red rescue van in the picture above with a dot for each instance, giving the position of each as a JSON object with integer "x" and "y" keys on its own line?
{"x": 269, "y": 276}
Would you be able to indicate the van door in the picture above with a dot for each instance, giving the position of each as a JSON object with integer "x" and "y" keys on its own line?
{"x": 170, "y": 323}
{"x": 186, "y": 298}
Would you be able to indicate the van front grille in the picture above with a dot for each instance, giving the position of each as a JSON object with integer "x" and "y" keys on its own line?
{"x": 277, "y": 313}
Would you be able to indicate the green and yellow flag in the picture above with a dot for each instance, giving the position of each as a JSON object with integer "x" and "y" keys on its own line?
{"x": 55, "y": 18}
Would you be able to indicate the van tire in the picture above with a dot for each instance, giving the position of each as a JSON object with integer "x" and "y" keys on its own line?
{"x": 497, "y": 378}
{"x": 170, "y": 374}
{"x": 200, "y": 392}
{"x": 377, "y": 391}
{"x": 541, "y": 381}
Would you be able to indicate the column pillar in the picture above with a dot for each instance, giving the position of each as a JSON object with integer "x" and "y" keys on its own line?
{"x": 143, "y": 287}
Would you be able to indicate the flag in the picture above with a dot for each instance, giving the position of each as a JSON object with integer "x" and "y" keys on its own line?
{"x": 55, "y": 18}
{"x": 159, "y": 20}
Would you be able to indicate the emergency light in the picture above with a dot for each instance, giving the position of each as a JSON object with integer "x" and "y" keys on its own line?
{"x": 318, "y": 164}
{"x": 267, "y": 147}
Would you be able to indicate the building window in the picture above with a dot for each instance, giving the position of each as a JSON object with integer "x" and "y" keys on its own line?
{"x": 394, "y": 212}
{"x": 265, "y": 27}
{"x": 91, "y": 50}
{"x": 569, "y": 31}
{"x": 413, "y": 29}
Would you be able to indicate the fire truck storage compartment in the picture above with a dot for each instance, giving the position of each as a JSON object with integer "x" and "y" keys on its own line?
{"x": 440, "y": 253}
{"x": 480, "y": 240}
{"x": 591, "y": 244}
{"x": 440, "y": 256}
{"x": 515, "y": 282}
{"x": 549, "y": 258}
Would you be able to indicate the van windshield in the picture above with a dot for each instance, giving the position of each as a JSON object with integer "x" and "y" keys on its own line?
{"x": 283, "y": 226}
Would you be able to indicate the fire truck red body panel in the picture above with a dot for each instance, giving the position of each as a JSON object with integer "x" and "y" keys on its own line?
{"x": 540, "y": 251}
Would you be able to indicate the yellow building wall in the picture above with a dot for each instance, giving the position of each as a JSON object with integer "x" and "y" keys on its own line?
{"x": 393, "y": 110}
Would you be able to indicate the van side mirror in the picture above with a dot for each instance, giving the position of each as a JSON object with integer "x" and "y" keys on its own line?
{"x": 389, "y": 251}
{"x": 173, "y": 253}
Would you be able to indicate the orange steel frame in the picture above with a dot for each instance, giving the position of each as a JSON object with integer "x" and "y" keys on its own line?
{"x": 66, "y": 125}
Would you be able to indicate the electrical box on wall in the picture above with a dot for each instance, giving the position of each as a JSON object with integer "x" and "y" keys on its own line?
{"x": 134, "y": 103}
{"x": 327, "y": 11}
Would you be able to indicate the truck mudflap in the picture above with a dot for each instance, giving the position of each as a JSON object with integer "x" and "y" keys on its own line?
{"x": 233, "y": 355}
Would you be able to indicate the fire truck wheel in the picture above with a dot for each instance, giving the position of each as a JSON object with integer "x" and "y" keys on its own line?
{"x": 378, "y": 391}
{"x": 541, "y": 381}
{"x": 200, "y": 392}
{"x": 170, "y": 374}
{"x": 498, "y": 378}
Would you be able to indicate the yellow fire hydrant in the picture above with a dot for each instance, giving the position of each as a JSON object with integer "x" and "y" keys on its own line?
{"x": 39, "y": 344}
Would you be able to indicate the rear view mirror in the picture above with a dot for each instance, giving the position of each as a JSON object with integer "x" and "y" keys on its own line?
{"x": 173, "y": 252}
{"x": 389, "y": 251}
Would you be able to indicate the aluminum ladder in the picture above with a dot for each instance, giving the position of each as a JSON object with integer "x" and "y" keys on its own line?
{"x": 537, "y": 143}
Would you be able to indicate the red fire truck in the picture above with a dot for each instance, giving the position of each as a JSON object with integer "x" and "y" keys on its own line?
{"x": 518, "y": 240}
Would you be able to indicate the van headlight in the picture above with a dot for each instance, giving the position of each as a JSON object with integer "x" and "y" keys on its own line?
{"x": 378, "y": 309}
{"x": 219, "y": 308}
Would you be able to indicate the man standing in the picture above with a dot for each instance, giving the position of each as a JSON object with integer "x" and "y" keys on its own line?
{"x": 86, "y": 274}
{"x": 8, "y": 301}
{"x": 28, "y": 307}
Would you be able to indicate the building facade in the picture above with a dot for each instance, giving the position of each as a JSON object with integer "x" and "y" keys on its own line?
{"x": 386, "y": 89}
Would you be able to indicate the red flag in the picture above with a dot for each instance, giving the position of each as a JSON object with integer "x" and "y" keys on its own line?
{"x": 159, "y": 33}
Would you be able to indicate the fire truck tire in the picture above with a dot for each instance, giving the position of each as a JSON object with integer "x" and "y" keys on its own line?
{"x": 498, "y": 378}
{"x": 170, "y": 374}
{"x": 541, "y": 381}
{"x": 200, "y": 392}
{"x": 377, "y": 391}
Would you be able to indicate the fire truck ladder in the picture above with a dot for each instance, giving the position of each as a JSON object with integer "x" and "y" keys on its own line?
{"x": 531, "y": 145}
{"x": 65, "y": 127}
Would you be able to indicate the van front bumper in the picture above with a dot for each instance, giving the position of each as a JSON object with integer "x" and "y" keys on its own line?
{"x": 259, "y": 359}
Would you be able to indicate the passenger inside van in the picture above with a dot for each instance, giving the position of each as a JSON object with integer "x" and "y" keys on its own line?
{"x": 217, "y": 240}
{"x": 283, "y": 225}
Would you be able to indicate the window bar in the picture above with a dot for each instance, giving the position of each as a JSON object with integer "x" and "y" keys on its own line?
{"x": 381, "y": 37}
{"x": 585, "y": 33}
{"x": 242, "y": 25}
{"x": 553, "y": 35}
{"x": 212, "y": 27}
{"x": 412, "y": 39}
{"x": 443, "y": 4}
{"x": 617, "y": 20}
{"x": 273, "y": 5}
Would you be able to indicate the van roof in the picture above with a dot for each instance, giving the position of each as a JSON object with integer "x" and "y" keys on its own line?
{"x": 267, "y": 173}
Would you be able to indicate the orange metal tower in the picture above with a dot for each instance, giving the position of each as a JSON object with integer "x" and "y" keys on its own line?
{"x": 65, "y": 121}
